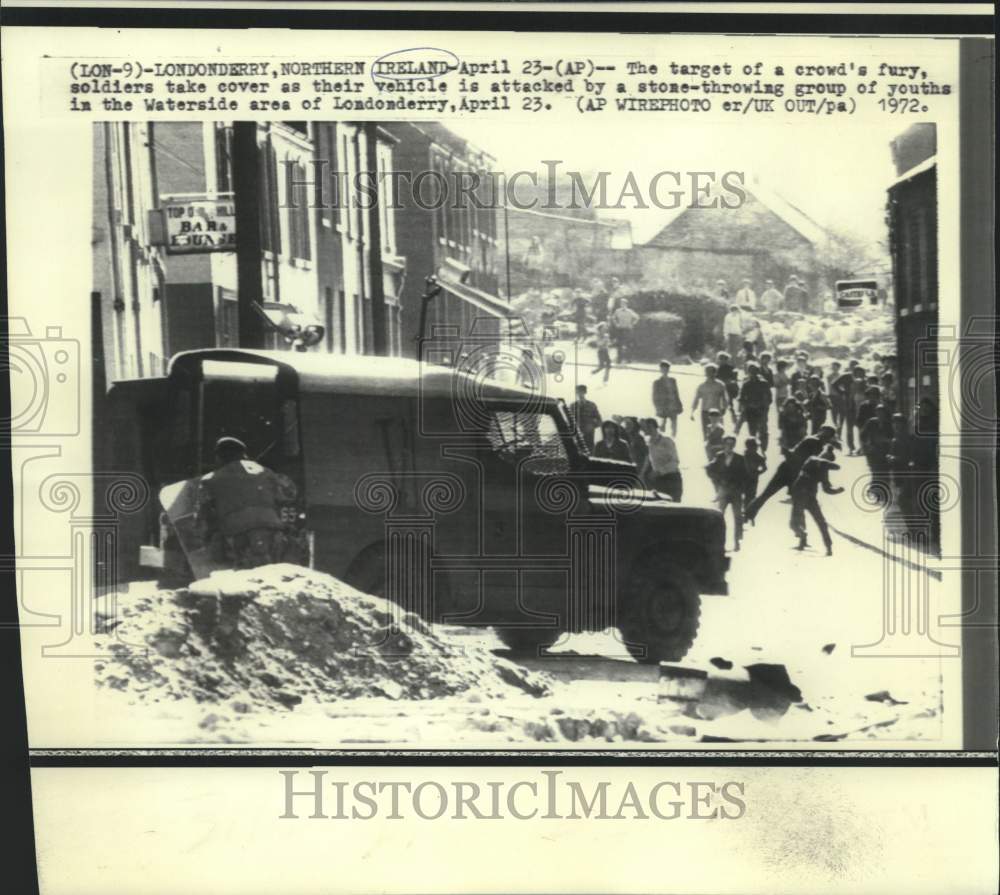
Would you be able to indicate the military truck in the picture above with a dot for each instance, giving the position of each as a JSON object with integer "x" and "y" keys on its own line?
{"x": 464, "y": 499}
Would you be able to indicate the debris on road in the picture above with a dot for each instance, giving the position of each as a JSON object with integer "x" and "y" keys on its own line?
{"x": 829, "y": 648}
{"x": 885, "y": 697}
{"x": 763, "y": 688}
{"x": 267, "y": 639}
{"x": 681, "y": 685}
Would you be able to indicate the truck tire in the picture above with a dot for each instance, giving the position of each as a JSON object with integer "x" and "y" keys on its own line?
{"x": 366, "y": 573}
{"x": 527, "y": 641}
{"x": 661, "y": 616}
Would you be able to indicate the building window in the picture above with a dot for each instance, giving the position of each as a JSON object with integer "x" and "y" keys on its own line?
{"x": 270, "y": 225}
{"x": 342, "y": 320}
{"x": 440, "y": 207}
{"x": 297, "y": 198}
{"x": 387, "y": 199}
{"x": 328, "y": 317}
{"x": 224, "y": 159}
{"x": 126, "y": 200}
{"x": 324, "y": 168}
{"x": 346, "y": 183}
{"x": 359, "y": 325}
{"x": 227, "y": 330}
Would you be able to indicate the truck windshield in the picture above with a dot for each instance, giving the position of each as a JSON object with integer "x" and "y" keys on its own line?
{"x": 531, "y": 438}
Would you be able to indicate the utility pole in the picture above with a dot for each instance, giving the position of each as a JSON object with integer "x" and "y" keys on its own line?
{"x": 375, "y": 273}
{"x": 246, "y": 195}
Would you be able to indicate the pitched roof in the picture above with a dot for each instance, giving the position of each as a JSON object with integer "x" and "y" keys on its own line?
{"x": 652, "y": 226}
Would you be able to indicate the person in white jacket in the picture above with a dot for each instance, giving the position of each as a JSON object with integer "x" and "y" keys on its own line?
{"x": 732, "y": 330}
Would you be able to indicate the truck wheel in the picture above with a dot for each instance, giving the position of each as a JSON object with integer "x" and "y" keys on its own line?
{"x": 527, "y": 641}
{"x": 661, "y": 617}
{"x": 366, "y": 573}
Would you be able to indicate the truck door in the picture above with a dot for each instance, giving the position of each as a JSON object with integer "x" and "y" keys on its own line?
{"x": 240, "y": 400}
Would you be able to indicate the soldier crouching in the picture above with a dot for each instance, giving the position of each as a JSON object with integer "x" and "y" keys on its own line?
{"x": 240, "y": 509}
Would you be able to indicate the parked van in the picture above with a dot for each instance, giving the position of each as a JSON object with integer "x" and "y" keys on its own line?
{"x": 465, "y": 500}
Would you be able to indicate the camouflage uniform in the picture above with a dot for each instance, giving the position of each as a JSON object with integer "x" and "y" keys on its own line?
{"x": 241, "y": 513}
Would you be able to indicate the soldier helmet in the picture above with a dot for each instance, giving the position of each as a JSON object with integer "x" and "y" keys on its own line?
{"x": 230, "y": 448}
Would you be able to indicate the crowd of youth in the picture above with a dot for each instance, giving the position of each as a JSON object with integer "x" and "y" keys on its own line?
{"x": 814, "y": 411}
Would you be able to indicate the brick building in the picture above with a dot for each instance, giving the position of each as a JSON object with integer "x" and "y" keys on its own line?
{"x": 129, "y": 272}
{"x": 430, "y": 158}
{"x": 323, "y": 252}
{"x": 561, "y": 240}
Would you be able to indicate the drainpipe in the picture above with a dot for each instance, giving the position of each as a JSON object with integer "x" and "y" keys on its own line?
{"x": 246, "y": 196}
{"x": 376, "y": 275}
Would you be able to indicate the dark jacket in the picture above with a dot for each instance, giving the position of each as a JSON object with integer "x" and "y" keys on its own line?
{"x": 875, "y": 439}
{"x": 865, "y": 411}
{"x": 755, "y": 464}
{"x": 666, "y": 397}
{"x": 585, "y": 415}
{"x": 755, "y": 395}
{"x": 713, "y": 439}
{"x": 792, "y": 421}
{"x": 618, "y": 451}
{"x": 730, "y": 477}
{"x": 840, "y": 389}
{"x": 640, "y": 450}
{"x": 727, "y": 375}
{"x": 814, "y": 473}
{"x": 818, "y": 404}
{"x": 810, "y": 446}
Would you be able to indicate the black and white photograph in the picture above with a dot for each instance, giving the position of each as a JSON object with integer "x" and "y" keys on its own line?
{"x": 454, "y": 449}
{"x": 534, "y": 400}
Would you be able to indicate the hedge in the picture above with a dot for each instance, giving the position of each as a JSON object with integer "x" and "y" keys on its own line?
{"x": 700, "y": 315}
{"x": 657, "y": 335}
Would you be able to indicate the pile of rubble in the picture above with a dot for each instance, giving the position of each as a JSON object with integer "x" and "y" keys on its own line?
{"x": 271, "y": 638}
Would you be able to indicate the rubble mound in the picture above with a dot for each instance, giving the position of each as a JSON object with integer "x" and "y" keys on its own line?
{"x": 276, "y": 636}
